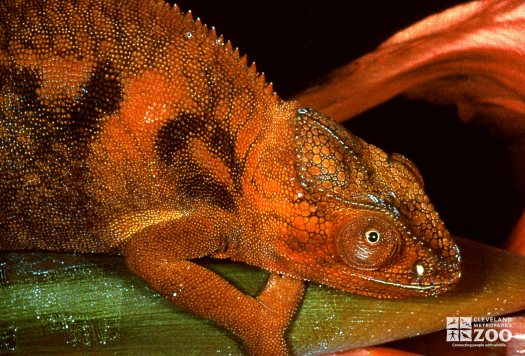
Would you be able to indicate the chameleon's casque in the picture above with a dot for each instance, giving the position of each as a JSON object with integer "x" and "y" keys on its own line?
{"x": 127, "y": 127}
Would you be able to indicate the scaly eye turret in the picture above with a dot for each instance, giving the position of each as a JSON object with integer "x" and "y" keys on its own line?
{"x": 398, "y": 159}
{"x": 367, "y": 240}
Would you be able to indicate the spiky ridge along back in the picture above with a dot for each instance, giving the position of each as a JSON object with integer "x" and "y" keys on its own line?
{"x": 92, "y": 86}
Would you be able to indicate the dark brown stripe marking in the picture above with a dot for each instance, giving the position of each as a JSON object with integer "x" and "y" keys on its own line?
{"x": 101, "y": 96}
{"x": 173, "y": 145}
{"x": 43, "y": 170}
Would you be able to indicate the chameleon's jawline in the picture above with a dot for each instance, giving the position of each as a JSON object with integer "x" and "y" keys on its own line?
{"x": 405, "y": 286}
{"x": 417, "y": 287}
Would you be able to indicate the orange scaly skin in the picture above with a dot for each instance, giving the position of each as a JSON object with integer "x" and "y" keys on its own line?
{"x": 127, "y": 127}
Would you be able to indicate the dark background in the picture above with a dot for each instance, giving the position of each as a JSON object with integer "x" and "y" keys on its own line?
{"x": 466, "y": 170}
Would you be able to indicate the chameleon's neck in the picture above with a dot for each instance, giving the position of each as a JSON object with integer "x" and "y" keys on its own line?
{"x": 269, "y": 185}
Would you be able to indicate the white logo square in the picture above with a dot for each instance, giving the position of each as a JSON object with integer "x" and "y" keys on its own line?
{"x": 452, "y": 335}
{"x": 465, "y": 335}
{"x": 452, "y": 322}
{"x": 465, "y": 322}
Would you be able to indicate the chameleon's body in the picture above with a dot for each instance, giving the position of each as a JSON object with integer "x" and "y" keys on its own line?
{"x": 126, "y": 127}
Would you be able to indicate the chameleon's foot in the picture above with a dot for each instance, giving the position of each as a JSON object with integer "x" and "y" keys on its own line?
{"x": 277, "y": 305}
{"x": 259, "y": 322}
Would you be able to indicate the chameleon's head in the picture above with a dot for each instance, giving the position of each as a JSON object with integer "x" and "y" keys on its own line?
{"x": 366, "y": 224}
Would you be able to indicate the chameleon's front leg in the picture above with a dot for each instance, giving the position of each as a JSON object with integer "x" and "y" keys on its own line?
{"x": 158, "y": 255}
{"x": 277, "y": 304}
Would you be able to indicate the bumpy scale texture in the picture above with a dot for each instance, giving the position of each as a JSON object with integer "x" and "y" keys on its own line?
{"x": 127, "y": 127}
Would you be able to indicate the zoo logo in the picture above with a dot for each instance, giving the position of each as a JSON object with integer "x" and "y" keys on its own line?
{"x": 462, "y": 329}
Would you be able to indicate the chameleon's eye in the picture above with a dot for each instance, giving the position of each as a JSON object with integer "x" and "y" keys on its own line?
{"x": 372, "y": 236}
{"x": 369, "y": 241}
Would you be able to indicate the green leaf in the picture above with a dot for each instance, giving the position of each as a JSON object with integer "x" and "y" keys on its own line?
{"x": 79, "y": 303}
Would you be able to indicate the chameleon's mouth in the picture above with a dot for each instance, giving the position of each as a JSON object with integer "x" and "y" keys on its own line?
{"x": 417, "y": 287}
{"x": 429, "y": 288}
